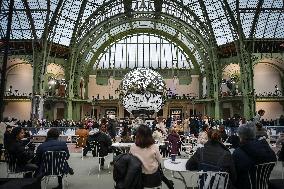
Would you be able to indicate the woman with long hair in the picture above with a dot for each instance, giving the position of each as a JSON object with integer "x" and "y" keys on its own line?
{"x": 21, "y": 152}
{"x": 148, "y": 153}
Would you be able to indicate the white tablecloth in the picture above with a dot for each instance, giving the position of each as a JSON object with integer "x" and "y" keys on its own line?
{"x": 121, "y": 145}
{"x": 178, "y": 165}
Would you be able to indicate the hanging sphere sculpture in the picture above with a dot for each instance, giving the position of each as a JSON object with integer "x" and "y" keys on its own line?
{"x": 142, "y": 91}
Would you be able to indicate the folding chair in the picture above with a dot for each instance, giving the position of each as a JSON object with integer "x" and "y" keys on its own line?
{"x": 259, "y": 175}
{"x": 96, "y": 149}
{"x": 12, "y": 166}
{"x": 54, "y": 164}
{"x": 210, "y": 180}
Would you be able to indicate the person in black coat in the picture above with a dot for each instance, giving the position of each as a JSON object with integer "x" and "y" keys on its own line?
{"x": 169, "y": 122}
{"x": 8, "y": 137}
{"x": 126, "y": 132}
{"x": 112, "y": 125}
{"x": 53, "y": 144}
{"x": 127, "y": 172}
{"x": 250, "y": 153}
{"x": 214, "y": 154}
{"x": 23, "y": 155}
{"x": 102, "y": 138}
{"x": 281, "y": 120}
{"x": 224, "y": 135}
{"x": 280, "y": 153}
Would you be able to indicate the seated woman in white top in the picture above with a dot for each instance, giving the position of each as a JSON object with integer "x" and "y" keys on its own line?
{"x": 148, "y": 153}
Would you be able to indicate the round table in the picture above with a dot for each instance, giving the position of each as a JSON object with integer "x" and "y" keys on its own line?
{"x": 178, "y": 166}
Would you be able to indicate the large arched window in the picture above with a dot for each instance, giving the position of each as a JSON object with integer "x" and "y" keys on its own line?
{"x": 144, "y": 50}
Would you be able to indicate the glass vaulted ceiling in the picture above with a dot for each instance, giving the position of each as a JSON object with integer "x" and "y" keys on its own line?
{"x": 143, "y": 50}
{"x": 270, "y": 23}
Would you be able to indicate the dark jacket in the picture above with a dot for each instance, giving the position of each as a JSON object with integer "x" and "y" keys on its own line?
{"x": 174, "y": 143}
{"x": 247, "y": 156}
{"x": 103, "y": 139}
{"x": 8, "y": 139}
{"x": 262, "y": 132}
{"x": 112, "y": 124}
{"x": 169, "y": 122}
{"x": 51, "y": 145}
{"x": 212, "y": 152}
{"x": 224, "y": 135}
{"x": 281, "y": 153}
{"x": 23, "y": 155}
{"x": 127, "y": 172}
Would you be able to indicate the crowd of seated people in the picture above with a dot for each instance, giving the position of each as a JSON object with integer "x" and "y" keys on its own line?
{"x": 19, "y": 150}
{"x": 209, "y": 134}
{"x": 189, "y": 125}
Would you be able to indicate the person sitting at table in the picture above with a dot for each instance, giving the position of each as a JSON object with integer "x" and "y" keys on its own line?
{"x": 214, "y": 156}
{"x": 174, "y": 142}
{"x": 234, "y": 140}
{"x": 280, "y": 153}
{"x": 111, "y": 127}
{"x": 21, "y": 152}
{"x": 27, "y": 140}
{"x": 279, "y": 141}
{"x": 158, "y": 135}
{"x": 186, "y": 123}
{"x": 103, "y": 139}
{"x": 178, "y": 128}
{"x": 223, "y": 133}
{"x": 159, "y": 138}
{"x": 280, "y": 147}
{"x": 8, "y": 137}
{"x": 260, "y": 131}
{"x": 203, "y": 135}
{"x": 148, "y": 153}
{"x": 250, "y": 153}
{"x": 83, "y": 134}
{"x": 126, "y": 132}
{"x": 53, "y": 144}
{"x": 161, "y": 125}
